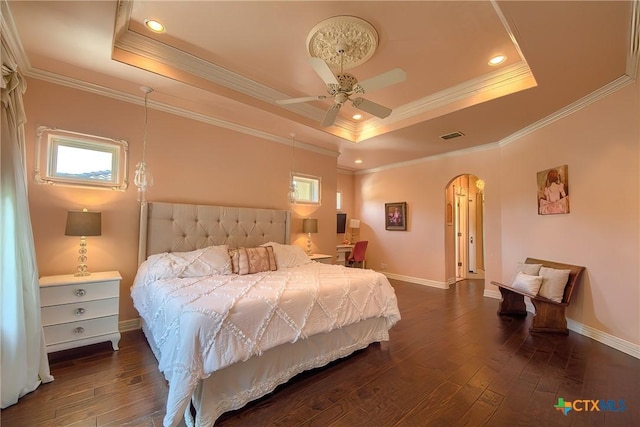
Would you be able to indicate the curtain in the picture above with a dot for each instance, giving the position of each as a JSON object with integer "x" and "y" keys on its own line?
{"x": 23, "y": 363}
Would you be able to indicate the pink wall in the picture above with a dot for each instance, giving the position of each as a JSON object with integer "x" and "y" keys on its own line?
{"x": 419, "y": 253}
{"x": 191, "y": 162}
{"x": 599, "y": 143}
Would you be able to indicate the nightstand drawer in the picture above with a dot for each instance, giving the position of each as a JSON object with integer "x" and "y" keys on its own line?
{"x": 82, "y": 329}
{"x": 77, "y": 292}
{"x": 66, "y": 313}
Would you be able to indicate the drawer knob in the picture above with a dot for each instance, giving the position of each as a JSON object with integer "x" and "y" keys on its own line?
{"x": 80, "y": 311}
{"x": 79, "y": 330}
{"x": 80, "y": 292}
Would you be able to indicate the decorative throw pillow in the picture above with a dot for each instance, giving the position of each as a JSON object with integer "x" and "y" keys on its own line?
{"x": 252, "y": 260}
{"x": 288, "y": 255}
{"x": 527, "y": 283}
{"x": 553, "y": 283}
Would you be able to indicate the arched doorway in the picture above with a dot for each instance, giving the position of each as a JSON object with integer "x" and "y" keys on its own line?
{"x": 465, "y": 228}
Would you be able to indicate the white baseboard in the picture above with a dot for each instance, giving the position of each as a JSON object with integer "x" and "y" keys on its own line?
{"x": 129, "y": 325}
{"x": 607, "y": 339}
{"x": 490, "y": 293}
{"x": 579, "y": 328}
{"x": 417, "y": 280}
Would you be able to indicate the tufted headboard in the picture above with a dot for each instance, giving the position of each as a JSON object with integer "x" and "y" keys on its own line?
{"x": 174, "y": 227}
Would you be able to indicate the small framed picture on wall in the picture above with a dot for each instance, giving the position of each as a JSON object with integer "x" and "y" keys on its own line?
{"x": 553, "y": 191}
{"x": 395, "y": 216}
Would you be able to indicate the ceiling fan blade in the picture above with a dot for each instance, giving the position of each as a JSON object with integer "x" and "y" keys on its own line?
{"x": 389, "y": 78}
{"x": 331, "y": 115}
{"x": 323, "y": 71}
{"x": 371, "y": 107}
{"x": 298, "y": 100}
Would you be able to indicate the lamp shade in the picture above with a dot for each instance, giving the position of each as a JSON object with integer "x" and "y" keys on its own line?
{"x": 309, "y": 225}
{"x": 354, "y": 223}
{"x": 83, "y": 223}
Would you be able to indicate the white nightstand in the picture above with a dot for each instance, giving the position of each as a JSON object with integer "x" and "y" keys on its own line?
{"x": 325, "y": 259}
{"x": 78, "y": 311}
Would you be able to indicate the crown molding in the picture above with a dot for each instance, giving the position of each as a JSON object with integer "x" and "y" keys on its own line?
{"x": 11, "y": 37}
{"x": 515, "y": 77}
{"x": 518, "y": 75}
{"x": 10, "y": 34}
{"x": 581, "y": 103}
{"x": 126, "y": 97}
{"x": 597, "y": 95}
{"x": 633, "y": 55}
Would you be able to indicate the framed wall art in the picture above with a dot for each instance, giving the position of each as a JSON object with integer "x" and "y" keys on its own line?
{"x": 395, "y": 216}
{"x": 553, "y": 191}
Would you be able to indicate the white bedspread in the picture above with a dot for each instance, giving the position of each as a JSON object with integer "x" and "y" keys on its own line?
{"x": 203, "y": 324}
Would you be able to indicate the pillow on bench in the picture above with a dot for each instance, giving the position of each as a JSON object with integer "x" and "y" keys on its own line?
{"x": 553, "y": 283}
{"x": 530, "y": 269}
{"x": 527, "y": 283}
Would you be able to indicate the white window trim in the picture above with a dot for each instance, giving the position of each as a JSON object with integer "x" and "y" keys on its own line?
{"x": 48, "y": 139}
{"x": 318, "y": 179}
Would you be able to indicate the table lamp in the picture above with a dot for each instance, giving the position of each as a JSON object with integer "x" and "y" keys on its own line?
{"x": 353, "y": 224}
{"x": 83, "y": 223}
{"x": 309, "y": 226}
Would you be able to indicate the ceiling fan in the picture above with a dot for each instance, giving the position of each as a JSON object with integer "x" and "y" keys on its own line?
{"x": 343, "y": 85}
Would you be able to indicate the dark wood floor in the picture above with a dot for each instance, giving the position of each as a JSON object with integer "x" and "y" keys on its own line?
{"x": 451, "y": 361}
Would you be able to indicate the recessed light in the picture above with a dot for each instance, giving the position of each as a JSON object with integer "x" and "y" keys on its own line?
{"x": 358, "y": 161}
{"x": 497, "y": 60}
{"x": 154, "y": 25}
{"x": 357, "y": 116}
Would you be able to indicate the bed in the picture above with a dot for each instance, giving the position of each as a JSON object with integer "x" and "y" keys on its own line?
{"x": 231, "y": 310}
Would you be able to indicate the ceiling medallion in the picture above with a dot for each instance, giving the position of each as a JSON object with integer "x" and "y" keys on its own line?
{"x": 355, "y": 36}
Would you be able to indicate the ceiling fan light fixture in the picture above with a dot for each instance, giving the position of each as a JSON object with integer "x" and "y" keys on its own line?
{"x": 343, "y": 41}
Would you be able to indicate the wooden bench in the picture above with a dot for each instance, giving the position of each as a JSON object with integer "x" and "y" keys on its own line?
{"x": 549, "y": 315}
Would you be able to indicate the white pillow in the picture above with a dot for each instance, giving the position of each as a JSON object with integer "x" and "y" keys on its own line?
{"x": 288, "y": 255}
{"x": 212, "y": 260}
{"x": 553, "y": 283}
{"x": 527, "y": 283}
{"x": 530, "y": 269}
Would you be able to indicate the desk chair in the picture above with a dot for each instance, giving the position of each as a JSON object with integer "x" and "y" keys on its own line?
{"x": 357, "y": 254}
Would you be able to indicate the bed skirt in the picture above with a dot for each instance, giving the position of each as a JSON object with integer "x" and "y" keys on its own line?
{"x": 234, "y": 386}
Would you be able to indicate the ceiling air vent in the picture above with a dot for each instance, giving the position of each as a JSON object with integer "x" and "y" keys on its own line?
{"x": 452, "y": 135}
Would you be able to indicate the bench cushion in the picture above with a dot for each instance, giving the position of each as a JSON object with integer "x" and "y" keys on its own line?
{"x": 553, "y": 283}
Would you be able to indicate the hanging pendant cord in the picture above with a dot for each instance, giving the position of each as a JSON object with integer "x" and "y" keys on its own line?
{"x": 144, "y": 137}
{"x": 293, "y": 152}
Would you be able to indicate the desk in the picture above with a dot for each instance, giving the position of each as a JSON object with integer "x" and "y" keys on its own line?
{"x": 342, "y": 253}
{"x": 325, "y": 259}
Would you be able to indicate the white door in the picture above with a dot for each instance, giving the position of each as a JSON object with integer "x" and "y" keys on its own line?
{"x": 472, "y": 233}
{"x": 461, "y": 231}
